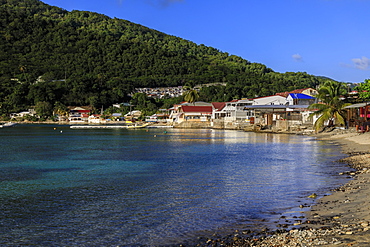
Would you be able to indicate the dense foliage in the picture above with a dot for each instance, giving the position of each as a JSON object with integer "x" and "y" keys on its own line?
{"x": 331, "y": 106}
{"x": 364, "y": 90}
{"x": 48, "y": 54}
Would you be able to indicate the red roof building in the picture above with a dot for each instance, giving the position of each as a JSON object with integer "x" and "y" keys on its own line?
{"x": 194, "y": 113}
{"x": 218, "y": 106}
{"x": 202, "y": 110}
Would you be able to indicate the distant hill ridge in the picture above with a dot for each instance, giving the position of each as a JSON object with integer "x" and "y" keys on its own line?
{"x": 102, "y": 59}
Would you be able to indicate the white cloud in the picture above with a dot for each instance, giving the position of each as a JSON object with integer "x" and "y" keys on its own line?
{"x": 362, "y": 63}
{"x": 297, "y": 57}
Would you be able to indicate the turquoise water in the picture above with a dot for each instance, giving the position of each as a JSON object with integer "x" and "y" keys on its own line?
{"x": 107, "y": 187}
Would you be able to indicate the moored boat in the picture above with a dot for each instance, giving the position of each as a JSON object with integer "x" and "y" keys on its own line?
{"x": 9, "y": 124}
{"x": 138, "y": 126}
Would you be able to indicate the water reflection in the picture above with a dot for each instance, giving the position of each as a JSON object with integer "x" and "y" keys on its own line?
{"x": 122, "y": 187}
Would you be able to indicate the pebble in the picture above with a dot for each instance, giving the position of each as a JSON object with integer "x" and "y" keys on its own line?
{"x": 364, "y": 224}
{"x": 289, "y": 238}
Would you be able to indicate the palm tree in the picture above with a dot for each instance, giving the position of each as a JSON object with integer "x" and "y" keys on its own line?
{"x": 331, "y": 106}
{"x": 23, "y": 69}
{"x": 60, "y": 109}
{"x": 190, "y": 95}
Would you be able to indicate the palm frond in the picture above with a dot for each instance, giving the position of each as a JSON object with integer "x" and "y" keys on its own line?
{"x": 331, "y": 108}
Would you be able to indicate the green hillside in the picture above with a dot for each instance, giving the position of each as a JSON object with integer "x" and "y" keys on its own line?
{"x": 51, "y": 55}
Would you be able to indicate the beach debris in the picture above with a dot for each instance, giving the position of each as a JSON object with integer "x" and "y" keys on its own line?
{"x": 313, "y": 195}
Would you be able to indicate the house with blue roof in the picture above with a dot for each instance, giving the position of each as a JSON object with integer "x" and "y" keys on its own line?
{"x": 300, "y": 99}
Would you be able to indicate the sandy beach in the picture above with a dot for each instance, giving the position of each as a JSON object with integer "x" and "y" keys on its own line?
{"x": 347, "y": 210}
{"x": 341, "y": 218}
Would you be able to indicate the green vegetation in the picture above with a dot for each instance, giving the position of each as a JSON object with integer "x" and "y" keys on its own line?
{"x": 331, "y": 107}
{"x": 364, "y": 90}
{"x": 49, "y": 55}
{"x": 190, "y": 95}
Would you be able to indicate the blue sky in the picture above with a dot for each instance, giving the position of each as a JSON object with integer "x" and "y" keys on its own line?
{"x": 321, "y": 37}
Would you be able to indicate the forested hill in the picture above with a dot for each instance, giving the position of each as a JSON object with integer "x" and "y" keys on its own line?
{"x": 48, "y": 54}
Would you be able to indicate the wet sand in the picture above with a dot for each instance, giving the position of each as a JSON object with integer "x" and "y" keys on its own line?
{"x": 339, "y": 219}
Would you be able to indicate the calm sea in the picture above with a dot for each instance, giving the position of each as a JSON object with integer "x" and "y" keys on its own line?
{"x": 112, "y": 187}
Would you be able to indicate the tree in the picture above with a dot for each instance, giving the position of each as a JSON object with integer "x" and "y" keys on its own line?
{"x": 85, "y": 58}
{"x": 364, "y": 90}
{"x": 44, "y": 109}
{"x": 25, "y": 76}
{"x": 60, "y": 109}
{"x": 140, "y": 100}
{"x": 331, "y": 106}
{"x": 191, "y": 94}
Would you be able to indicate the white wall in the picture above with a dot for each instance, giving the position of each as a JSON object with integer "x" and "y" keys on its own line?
{"x": 270, "y": 100}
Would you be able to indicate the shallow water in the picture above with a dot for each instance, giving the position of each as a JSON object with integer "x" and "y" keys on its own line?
{"x": 107, "y": 187}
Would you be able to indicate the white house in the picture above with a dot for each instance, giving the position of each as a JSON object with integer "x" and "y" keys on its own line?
{"x": 218, "y": 110}
{"x": 270, "y": 100}
{"x": 233, "y": 111}
{"x": 94, "y": 119}
{"x": 30, "y": 112}
{"x": 266, "y": 110}
{"x": 133, "y": 114}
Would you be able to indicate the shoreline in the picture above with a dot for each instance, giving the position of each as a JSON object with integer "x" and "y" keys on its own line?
{"x": 347, "y": 209}
{"x": 341, "y": 218}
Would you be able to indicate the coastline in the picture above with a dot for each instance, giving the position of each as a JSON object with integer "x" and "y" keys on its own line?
{"x": 339, "y": 219}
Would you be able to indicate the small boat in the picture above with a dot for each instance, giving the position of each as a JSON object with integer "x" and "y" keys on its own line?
{"x": 138, "y": 126}
{"x": 9, "y": 124}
